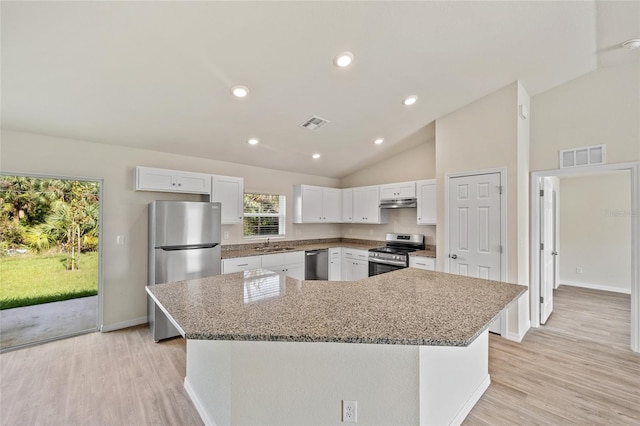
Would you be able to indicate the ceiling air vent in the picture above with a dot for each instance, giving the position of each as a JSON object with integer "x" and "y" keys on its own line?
{"x": 314, "y": 123}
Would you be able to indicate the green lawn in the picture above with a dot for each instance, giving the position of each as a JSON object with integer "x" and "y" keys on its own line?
{"x": 31, "y": 280}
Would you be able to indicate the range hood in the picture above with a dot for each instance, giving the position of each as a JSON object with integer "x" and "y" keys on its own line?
{"x": 399, "y": 203}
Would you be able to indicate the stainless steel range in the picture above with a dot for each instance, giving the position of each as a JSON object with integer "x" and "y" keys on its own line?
{"x": 395, "y": 254}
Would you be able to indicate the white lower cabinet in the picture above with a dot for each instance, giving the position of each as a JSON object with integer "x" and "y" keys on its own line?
{"x": 237, "y": 264}
{"x": 355, "y": 264}
{"x": 335, "y": 264}
{"x": 291, "y": 263}
{"x": 428, "y": 263}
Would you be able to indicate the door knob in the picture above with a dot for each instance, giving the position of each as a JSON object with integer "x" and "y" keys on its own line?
{"x": 454, "y": 256}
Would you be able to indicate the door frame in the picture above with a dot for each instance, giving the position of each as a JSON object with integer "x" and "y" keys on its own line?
{"x": 99, "y": 313}
{"x": 534, "y": 287}
{"x": 502, "y": 171}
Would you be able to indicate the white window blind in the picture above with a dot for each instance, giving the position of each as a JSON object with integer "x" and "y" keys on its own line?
{"x": 264, "y": 215}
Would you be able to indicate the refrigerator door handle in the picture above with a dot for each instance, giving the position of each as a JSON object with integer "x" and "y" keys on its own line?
{"x": 189, "y": 247}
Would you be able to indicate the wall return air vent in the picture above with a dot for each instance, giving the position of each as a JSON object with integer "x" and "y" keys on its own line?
{"x": 314, "y": 123}
{"x": 586, "y": 156}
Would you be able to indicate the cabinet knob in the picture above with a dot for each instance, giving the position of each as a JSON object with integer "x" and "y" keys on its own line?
{"x": 179, "y": 184}
{"x": 174, "y": 184}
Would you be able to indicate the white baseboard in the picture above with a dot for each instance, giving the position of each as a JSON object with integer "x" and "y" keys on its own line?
{"x": 123, "y": 324}
{"x": 472, "y": 401}
{"x": 597, "y": 287}
{"x": 198, "y": 404}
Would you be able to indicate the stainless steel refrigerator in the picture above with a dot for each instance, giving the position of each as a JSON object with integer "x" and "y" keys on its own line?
{"x": 184, "y": 244}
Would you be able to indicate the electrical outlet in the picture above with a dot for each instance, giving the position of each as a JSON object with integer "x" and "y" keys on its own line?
{"x": 226, "y": 235}
{"x": 579, "y": 270}
{"x": 349, "y": 411}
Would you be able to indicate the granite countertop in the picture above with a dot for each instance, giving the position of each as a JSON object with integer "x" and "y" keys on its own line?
{"x": 244, "y": 250}
{"x": 423, "y": 253}
{"x": 406, "y": 307}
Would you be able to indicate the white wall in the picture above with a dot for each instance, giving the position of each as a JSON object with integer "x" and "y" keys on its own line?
{"x": 414, "y": 164}
{"x": 482, "y": 135}
{"x": 602, "y": 107}
{"x": 125, "y": 210}
{"x": 487, "y": 134}
{"x": 595, "y": 231}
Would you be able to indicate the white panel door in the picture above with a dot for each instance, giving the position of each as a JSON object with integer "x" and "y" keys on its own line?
{"x": 474, "y": 230}
{"x": 547, "y": 251}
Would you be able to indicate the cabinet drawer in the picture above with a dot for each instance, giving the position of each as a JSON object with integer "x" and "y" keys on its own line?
{"x": 238, "y": 264}
{"x": 279, "y": 259}
{"x": 428, "y": 263}
{"x": 356, "y": 254}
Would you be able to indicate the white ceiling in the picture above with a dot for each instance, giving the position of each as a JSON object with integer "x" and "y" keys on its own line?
{"x": 156, "y": 75}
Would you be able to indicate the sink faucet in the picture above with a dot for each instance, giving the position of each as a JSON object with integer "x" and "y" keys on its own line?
{"x": 267, "y": 244}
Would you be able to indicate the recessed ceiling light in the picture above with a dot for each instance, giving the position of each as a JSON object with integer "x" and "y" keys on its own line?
{"x": 410, "y": 100}
{"x": 634, "y": 43}
{"x": 315, "y": 156}
{"x": 253, "y": 141}
{"x": 239, "y": 91}
{"x": 378, "y": 141}
{"x": 343, "y": 59}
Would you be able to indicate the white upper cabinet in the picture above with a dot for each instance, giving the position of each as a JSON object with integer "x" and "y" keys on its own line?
{"x": 366, "y": 205}
{"x": 164, "y": 180}
{"x": 398, "y": 190}
{"x": 229, "y": 191}
{"x": 332, "y": 205}
{"x": 426, "y": 202}
{"x": 316, "y": 204}
{"x": 347, "y": 205}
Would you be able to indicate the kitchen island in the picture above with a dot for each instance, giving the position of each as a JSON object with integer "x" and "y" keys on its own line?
{"x": 410, "y": 346}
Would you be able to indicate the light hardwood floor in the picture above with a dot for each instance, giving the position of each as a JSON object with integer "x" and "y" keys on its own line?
{"x": 576, "y": 370}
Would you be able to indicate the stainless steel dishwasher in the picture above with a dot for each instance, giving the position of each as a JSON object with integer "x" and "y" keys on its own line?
{"x": 316, "y": 265}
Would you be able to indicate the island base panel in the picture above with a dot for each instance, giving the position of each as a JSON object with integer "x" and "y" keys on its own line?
{"x": 242, "y": 382}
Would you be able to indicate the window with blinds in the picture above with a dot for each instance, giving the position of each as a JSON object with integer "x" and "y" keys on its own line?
{"x": 264, "y": 215}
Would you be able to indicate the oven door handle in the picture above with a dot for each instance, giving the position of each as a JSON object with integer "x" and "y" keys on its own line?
{"x": 388, "y": 262}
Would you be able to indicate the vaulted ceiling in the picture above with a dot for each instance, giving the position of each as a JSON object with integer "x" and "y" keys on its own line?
{"x": 157, "y": 75}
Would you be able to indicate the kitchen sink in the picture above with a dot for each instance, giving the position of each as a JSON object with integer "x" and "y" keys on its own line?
{"x": 274, "y": 248}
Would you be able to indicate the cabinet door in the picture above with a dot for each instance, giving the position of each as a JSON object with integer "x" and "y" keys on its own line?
{"x": 427, "y": 202}
{"x": 335, "y": 264}
{"x": 347, "y": 205}
{"x": 151, "y": 179}
{"x": 198, "y": 183}
{"x": 366, "y": 205}
{"x": 331, "y": 205}
{"x": 361, "y": 269}
{"x": 229, "y": 191}
{"x": 295, "y": 271}
{"x": 359, "y": 205}
{"x": 388, "y": 192}
{"x": 406, "y": 189}
{"x": 311, "y": 204}
{"x": 346, "y": 269}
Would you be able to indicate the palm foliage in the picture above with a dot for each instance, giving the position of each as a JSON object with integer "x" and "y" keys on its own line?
{"x": 45, "y": 214}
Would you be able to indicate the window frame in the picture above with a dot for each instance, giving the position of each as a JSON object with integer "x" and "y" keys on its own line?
{"x": 282, "y": 200}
